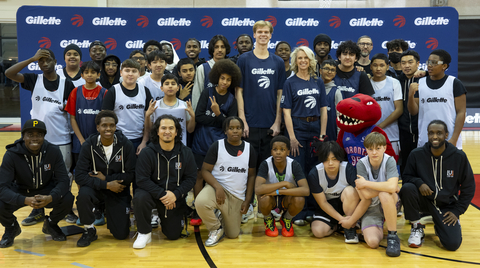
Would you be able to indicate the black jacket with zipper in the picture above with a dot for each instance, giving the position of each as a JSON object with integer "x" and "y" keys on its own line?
{"x": 120, "y": 166}
{"x": 156, "y": 174}
{"x": 406, "y": 121}
{"x": 23, "y": 174}
{"x": 445, "y": 176}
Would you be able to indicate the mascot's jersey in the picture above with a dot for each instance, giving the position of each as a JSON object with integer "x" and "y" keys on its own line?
{"x": 357, "y": 118}
{"x": 354, "y": 145}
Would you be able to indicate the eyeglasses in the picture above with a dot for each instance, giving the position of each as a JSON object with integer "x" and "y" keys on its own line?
{"x": 138, "y": 58}
{"x": 364, "y": 44}
{"x": 434, "y": 62}
{"x": 329, "y": 70}
{"x": 111, "y": 64}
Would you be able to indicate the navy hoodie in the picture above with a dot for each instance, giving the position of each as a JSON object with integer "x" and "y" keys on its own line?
{"x": 23, "y": 174}
{"x": 446, "y": 176}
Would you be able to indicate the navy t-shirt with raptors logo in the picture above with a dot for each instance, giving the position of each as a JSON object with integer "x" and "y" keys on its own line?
{"x": 304, "y": 98}
{"x": 260, "y": 81}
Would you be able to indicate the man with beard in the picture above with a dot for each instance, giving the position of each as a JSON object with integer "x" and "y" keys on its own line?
{"x": 395, "y": 49}
{"x": 322, "y": 44}
{"x": 244, "y": 44}
{"x": 98, "y": 51}
{"x": 172, "y": 57}
{"x": 192, "y": 50}
{"x": 438, "y": 179}
{"x": 366, "y": 45}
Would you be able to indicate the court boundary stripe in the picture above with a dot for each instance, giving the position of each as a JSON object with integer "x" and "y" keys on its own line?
{"x": 200, "y": 245}
{"x": 80, "y": 265}
{"x": 29, "y": 252}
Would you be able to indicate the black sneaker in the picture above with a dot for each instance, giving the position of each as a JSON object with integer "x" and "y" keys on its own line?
{"x": 350, "y": 236}
{"x": 53, "y": 230}
{"x": 36, "y": 216}
{"x": 89, "y": 235}
{"x": 10, "y": 234}
{"x": 393, "y": 245}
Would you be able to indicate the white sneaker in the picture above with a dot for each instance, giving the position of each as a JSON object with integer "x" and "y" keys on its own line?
{"x": 142, "y": 240}
{"x": 214, "y": 237}
{"x": 249, "y": 215}
{"x": 416, "y": 235}
{"x": 277, "y": 215}
{"x": 155, "y": 221}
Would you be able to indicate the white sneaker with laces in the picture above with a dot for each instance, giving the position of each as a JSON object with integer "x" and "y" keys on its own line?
{"x": 249, "y": 215}
{"x": 142, "y": 240}
{"x": 155, "y": 221}
{"x": 214, "y": 237}
{"x": 417, "y": 235}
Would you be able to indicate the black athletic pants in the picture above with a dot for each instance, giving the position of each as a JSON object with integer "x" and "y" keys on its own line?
{"x": 408, "y": 142}
{"x": 414, "y": 203}
{"x": 60, "y": 209}
{"x": 117, "y": 209}
{"x": 171, "y": 221}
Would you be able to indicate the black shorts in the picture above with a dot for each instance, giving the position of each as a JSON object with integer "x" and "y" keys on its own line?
{"x": 321, "y": 215}
{"x": 279, "y": 202}
{"x": 199, "y": 160}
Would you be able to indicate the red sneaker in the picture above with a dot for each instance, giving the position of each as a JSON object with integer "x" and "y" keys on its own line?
{"x": 287, "y": 228}
{"x": 270, "y": 227}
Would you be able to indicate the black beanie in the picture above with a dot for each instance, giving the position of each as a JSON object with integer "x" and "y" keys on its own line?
{"x": 72, "y": 47}
{"x": 322, "y": 38}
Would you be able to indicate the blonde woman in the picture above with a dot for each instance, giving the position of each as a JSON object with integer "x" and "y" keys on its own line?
{"x": 304, "y": 106}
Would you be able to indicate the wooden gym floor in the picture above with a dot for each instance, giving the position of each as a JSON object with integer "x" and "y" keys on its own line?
{"x": 251, "y": 249}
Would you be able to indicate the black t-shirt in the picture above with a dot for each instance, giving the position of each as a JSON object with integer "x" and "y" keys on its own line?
{"x": 297, "y": 171}
{"x": 366, "y": 68}
{"x": 77, "y": 76}
{"x": 364, "y": 86}
{"x": 109, "y": 100}
{"x": 314, "y": 184}
{"x": 458, "y": 87}
{"x": 30, "y": 79}
{"x": 217, "y": 121}
{"x": 212, "y": 154}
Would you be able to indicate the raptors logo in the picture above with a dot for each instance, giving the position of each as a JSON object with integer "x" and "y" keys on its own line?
{"x": 45, "y": 42}
{"x": 207, "y": 21}
{"x": 77, "y": 20}
{"x": 310, "y": 102}
{"x": 432, "y": 43}
{"x": 399, "y": 21}
{"x": 264, "y": 82}
{"x": 335, "y": 22}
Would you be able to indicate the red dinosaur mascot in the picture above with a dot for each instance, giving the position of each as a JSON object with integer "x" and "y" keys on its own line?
{"x": 356, "y": 119}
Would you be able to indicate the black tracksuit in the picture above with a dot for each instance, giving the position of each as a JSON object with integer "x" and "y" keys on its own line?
{"x": 23, "y": 174}
{"x": 407, "y": 124}
{"x": 156, "y": 173}
{"x": 120, "y": 166}
{"x": 445, "y": 176}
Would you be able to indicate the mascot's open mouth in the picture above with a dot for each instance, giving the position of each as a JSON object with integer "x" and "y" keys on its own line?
{"x": 348, "y": 121}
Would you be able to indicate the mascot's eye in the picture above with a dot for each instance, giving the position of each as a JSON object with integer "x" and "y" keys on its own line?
{"x": 369, "y": 103}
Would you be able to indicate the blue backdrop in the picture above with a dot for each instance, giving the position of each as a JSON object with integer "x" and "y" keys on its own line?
{"x": 126, "y": 29}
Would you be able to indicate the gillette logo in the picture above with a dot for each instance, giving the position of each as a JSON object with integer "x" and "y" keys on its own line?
{"x": 411, "y": 44}
{"x": 41, "y": 20}
{"x": 335, "y": 45}
{"x": 204, "y": 44}
{"x": 237, "y": 22}
{"x": 134, "y": 44}
{"x": 34, "y": 66}
{"x": 173, "y": 22}
{"x": 366, "y": 22}
{"x": 80, "y": 44}
{"x": 431, "y": 21}
{"x": 301, "y": 22}
{"x": 106, "y": 21}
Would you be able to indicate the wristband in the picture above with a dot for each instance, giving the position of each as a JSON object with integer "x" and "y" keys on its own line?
{"x": 277, "y": 192}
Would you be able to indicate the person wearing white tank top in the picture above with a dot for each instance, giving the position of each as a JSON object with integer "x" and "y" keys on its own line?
{"x": 377, "y": 183}
{"x": 49, "y": 96}
{"x": 229, "y": 173}
{"x": 332, "y": 183}
{"x": 439, "y": 96}
{"x": 281, "y": 184}
{"x": 156, "y": 63}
